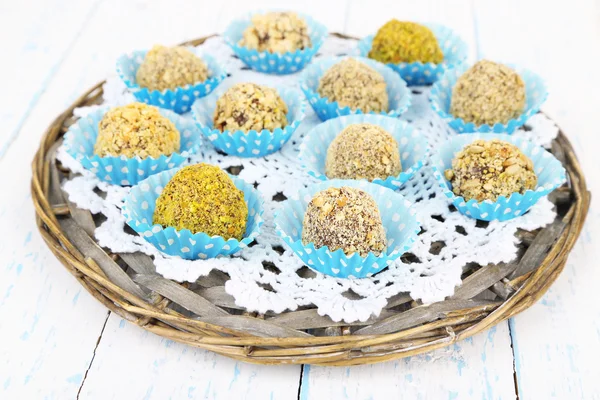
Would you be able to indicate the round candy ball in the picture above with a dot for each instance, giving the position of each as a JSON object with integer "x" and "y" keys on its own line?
{"x": 356, "y": 85}
{"x": 169, "y": 68}
{"x": 408, "y": 42}
{"x": 485, "y": 170}
{"x": 488, "y": 93}
{"x": 344, "y": 218}
{"x": 363, "y": 151}
{"x": 203, "y": 198}
{"x": 136, "y": 130}
{"x": 248, "y": 106}
{"x": 276, "y": 32}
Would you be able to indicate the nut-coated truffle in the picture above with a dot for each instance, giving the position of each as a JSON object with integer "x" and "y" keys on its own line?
{"x": 344, "y": 218}
{"x": 276, "y": 32}
{"x": 136, "y": 129}
{"x": 247, "y": 106}
{"x": 356, "y": 85}
{"x": 485, "y": 170}
{"x": 170, "y": 67}
{"x": 203, "y": 198}
{"x": 488, "y": 93}
{"x": 363, "y": 151}
{"x": 408, "y": 42}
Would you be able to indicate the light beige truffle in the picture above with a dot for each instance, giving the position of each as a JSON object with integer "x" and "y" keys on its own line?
{"x": 488, "y": 93}
{"x": 169, "y": 68}
{"x": 136, "y": 129}
{"x": 485, "y": 170}
{"x": 247, "y": 106}
{"x": 356, "y": 85}
{"x": 363, "y": 151}
{"x": 276, "y": 32}
{"x": 344, "y": 218}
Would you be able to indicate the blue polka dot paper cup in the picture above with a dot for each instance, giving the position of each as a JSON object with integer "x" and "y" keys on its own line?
{"x": 550, "y": 173}
{"x": 274, "y": 63}
{"x": 398, "y": 94}
{"x": 441, "y": 97}
{"x": 81, "y": 137}
{"x": 417, "y": 73}
{"x": 180, "y": 99}
{"x": 412, "y": 146}
{"x": 397, "y": 215}
{"x": 138, "y": 211}
{"x": 251, "y": 143}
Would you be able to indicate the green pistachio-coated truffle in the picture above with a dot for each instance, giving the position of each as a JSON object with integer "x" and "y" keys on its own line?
{"x": 409, "y": 42}
{"x": 203, "y": 198}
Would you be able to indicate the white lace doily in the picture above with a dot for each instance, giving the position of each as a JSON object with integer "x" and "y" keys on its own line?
{"x": 431, "y": 275}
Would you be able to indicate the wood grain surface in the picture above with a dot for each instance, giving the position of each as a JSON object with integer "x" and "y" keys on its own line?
{"x": 60, "y": 343}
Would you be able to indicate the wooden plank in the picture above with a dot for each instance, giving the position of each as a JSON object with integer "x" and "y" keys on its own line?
{"x": 310, "y": 319}
{"x": 560, "y": 335}
{"x": 158, "y": 368}
{"x": 49, "y": 323}
{"x": 54, "y": 323}
{"x": 36, "y": 49}
{"x": 180, "y": 295}
{"x": 482, "y": 280}
{"x": 476, "y": 368}
{"x": 218, "y": 296}
{"x": 254, "y": 326}
{"x": 139, "y": 262}
{"x": 419, "y": 315}
{"x": 97, "y": 51}
{"x": 538, "y": 249}
{"x": 89, "y": 248}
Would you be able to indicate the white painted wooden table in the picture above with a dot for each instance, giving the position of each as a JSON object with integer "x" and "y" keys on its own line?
{"x": 57, "y": 342}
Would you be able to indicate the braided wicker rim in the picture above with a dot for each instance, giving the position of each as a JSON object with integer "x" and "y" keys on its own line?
{"x": 488, "y": 295}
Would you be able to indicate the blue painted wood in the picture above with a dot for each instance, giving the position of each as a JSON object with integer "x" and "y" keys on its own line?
{"x": 51, "y": 326}
{"x": 557, "y": 341}
{"x": 158, "y": 368}
{"x": 476, "y": 368}
{"x": 34, "y": 52}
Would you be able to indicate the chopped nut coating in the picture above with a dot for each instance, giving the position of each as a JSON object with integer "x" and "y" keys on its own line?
{"x": 248, "y": 106}
{"x": 485, "y": 170}
{"x": 363, "y": 151}
{"x": 356, "y": 85}
{"x": 136, "y": 129}
{"x": 276, "y": 32}
{"x": 344, "y": 218}
{"x": 169, "y": 68}
{"x": 488, "y": 93}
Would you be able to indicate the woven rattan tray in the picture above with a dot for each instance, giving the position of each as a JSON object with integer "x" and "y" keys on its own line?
{"x": 204, "y": 315}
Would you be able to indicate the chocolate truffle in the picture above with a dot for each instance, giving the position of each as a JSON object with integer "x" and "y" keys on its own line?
{"x": 408, "y": 42}
{"x": 485, "y": 170}
{"x": 248, "y": 106}
{"x": 356, "y": 85}
{"x": 203, "y": 198}
{"x": 488, "y": 93}
{"x": 363, "y": 151}
{"x": 276, "y": 32}
{"x": 170, "y": 67}
{"x": 136, "y": 130}
{"x": 344, "y": 218}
